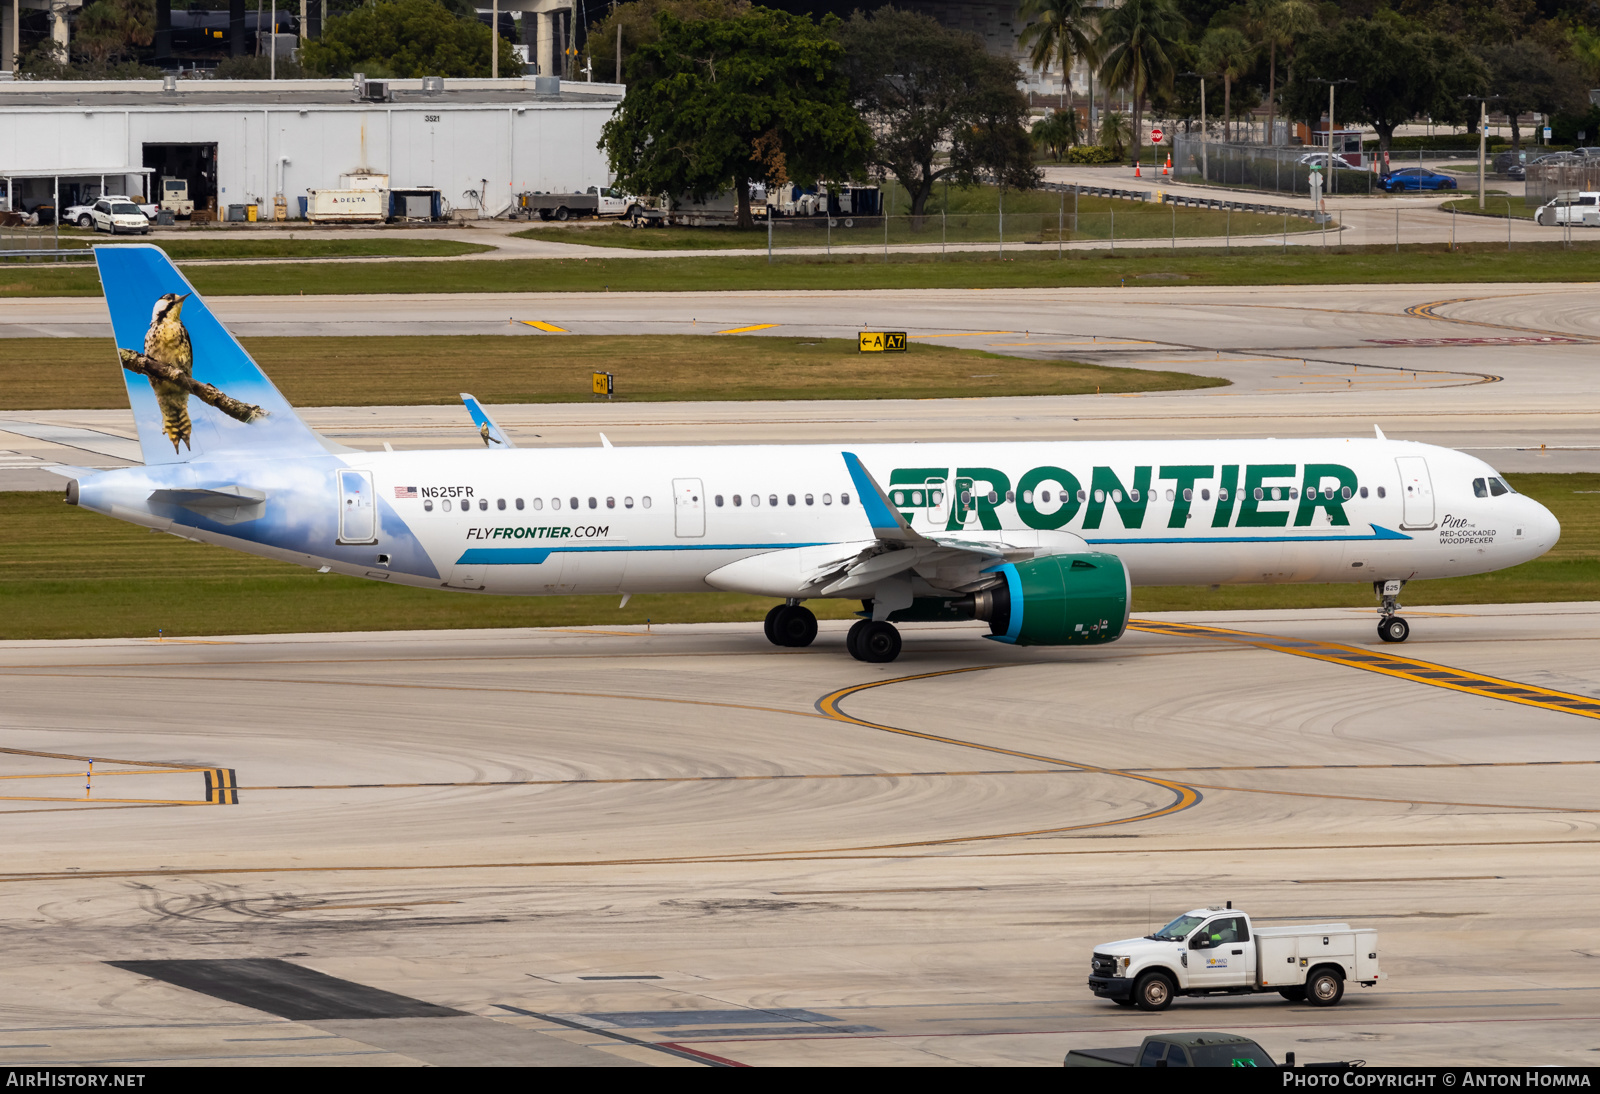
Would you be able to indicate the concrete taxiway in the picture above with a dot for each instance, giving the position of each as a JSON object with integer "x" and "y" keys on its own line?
{"x": 686, "y": 847}
{"x": 1500, "y": 370}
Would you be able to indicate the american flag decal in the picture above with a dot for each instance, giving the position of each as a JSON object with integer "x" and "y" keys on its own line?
{"x": 405, "y": 491}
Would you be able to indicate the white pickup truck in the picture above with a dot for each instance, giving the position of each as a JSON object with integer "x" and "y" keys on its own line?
{"x": 1219, "y": 951}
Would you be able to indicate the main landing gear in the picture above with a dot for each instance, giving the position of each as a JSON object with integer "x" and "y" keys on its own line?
{"x": 875, "y": 642}
{"x": 789, "y": 624}
{"x": 1391, "y": 628}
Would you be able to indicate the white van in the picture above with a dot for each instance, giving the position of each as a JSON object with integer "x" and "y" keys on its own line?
{"x": 1584, "y": 211}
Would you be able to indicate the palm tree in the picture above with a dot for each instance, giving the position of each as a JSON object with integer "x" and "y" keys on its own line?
{"x": 1138, "y": 42}
{"x": 1275, "y": 23}
{"x": 1061, "y": 32}
{"x": 1229, "y": 52}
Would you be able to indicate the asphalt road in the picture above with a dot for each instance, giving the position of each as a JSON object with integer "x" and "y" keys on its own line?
{"x": 687, "y": 846}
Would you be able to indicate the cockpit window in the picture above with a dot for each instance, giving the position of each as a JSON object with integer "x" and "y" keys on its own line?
{"x": 1498, "y": 487}
{"x": 1479, "y": 490}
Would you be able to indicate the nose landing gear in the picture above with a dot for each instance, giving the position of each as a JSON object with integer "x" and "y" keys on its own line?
{"x": 1391, "y": 628}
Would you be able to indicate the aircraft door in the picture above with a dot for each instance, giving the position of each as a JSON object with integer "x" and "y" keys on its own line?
{"x": 1417, "y": 489}
{"x": 689, "y": 508}
{"x": 358, "y": 512}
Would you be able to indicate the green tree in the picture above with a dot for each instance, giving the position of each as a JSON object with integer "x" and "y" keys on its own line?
{"x": 1278, "y": 24}
{"x": 405, "y": 39}
{"x": 637, "y": 21}
{"x": 1584, "y": 45}
{"x": 109, "y": 30}
{"x": 1226, "y": 50}
{"x": 1532, "y": 79}
{"x": 1400, "y": 72}
{"x": 940, "y": 105}
{"x": 1138, "y": 42}
{"x": 1061, "y": 32}
{"x": 1115, "y": 132}
{"x": 720, "y": 102}
{"x": 1056, "y": 133}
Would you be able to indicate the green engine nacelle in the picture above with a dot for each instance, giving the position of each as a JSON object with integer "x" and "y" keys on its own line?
{"x": 1058, "y": 600}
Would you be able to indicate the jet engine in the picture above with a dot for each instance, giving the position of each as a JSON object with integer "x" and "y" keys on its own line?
{"x": 1057, "y": 600}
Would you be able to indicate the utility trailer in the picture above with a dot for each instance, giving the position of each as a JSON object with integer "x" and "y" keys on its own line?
{"x": 1220, "y": 951}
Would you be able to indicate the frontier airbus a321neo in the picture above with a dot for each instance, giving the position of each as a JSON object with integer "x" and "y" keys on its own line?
{"x": 1042, "y": 540}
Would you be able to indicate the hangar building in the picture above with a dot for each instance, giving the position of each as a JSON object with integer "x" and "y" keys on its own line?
{"x": 479, "y": 142}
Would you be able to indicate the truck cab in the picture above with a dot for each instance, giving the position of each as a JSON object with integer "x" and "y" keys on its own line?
{"x": 1219, "y": 950}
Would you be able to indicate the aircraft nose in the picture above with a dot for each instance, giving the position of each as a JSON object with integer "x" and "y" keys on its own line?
{"x": 1543, "y": 527}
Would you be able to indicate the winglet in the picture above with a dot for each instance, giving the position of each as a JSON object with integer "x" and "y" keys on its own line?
{"x": 493, "y": 436}
{"x": 1379, "y": 432}
{"x": 887, "y": 523}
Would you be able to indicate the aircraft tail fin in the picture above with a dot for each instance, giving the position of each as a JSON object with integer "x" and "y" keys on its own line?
{"x": 195, "y": 392}
{"x": 493, "y": 436}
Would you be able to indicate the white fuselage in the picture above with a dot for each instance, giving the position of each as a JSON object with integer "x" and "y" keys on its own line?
{"x": 638, "y": 520}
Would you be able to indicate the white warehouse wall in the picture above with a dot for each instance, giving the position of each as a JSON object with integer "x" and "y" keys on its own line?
{"x": 496, "y": 149}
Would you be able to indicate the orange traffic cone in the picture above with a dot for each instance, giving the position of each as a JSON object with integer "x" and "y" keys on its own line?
{"x": 1136, "y": 170}
{"x": 1167, "y": 170}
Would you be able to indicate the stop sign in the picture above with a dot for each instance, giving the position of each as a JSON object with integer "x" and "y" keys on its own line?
{"x": 1155, "y": 135}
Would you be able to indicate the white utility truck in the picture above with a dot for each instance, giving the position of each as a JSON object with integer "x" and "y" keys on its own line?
{"x": 1219, "y": 951}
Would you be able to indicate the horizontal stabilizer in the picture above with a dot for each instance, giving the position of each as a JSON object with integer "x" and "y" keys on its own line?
{"x": 223, "y": 504}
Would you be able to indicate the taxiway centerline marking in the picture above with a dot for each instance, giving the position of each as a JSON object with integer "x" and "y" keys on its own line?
{"x": 550, "y": 327}
{"x": 746, "y": 330}
{"x": 1385, "y": 664}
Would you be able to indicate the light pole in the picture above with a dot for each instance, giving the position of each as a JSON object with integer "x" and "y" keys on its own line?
{"x": 1205, "y": 167}
{"x": 1483, "y": 128}
{"x": 1332, "y": 179}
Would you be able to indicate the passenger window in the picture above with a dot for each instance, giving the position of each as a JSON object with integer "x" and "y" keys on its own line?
{"x": 555, "y": 503}
{"x": 572, "y": 503}
{"x": 1027, "y": 497}
{"x": 1153, "y": 1052}
{"x": 1205, "y": 494}
{"x": 483, "y": 503}
{"x": 445, "y": 504}
{"x": 1260, "y": 493}
{"x": 994, "y": 498}
{"x": 1133, "y": 495}
{"x": 736, "y": 501}
{"x": 717, "y": 501}
{"x": 538, "y": 503}
{"x": 791, "y": 499}
{"x": 936, "y": 496}
{"x": 1044, "y": 496}
{"x": 1011, "y": 495}
{"x": 1480, "y": 489}
{"x": 810, "y": 500}
{"x": 1363, "y": 491}
{"x": 1345, "y": 493}
{"x": 1099, "y": 495}
{"x": 1222, "y": 494}
{"x": 772, "y": 499}
{"x": 1294, "y": 493}
{"x": 611, "y": 503}
{"x": 755, "y": 500}
{"x": 627, "y": 503}
{"x": 1496, "y": 487}
{"x": 1170, "y": 495}
{"x": 844, "y": 499}
{"x": 519, "y": 503}
{"x": 427, "y": 505}
{"x": 645, "y": 501}
{"x": 1381, "y": 492}
{"x": 827, "y": 499}
{"x": 500, "y": 503}
{"x": 1188, "y": 494}
{"x": 593, "y": 504}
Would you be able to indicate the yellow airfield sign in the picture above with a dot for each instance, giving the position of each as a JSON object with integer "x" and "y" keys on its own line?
{"x": 883, "y": 341}
{"x": 602, "y": 382}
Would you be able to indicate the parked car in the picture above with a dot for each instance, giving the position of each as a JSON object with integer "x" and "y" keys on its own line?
{"x": 1557, "y": 158}
{"x": 1585, "y": 211}
{"x": 1416, "y": 178}
{"x": 83, "y": 214}
{"x": 114, "y": 216}
{"x": 1322, "y": 161}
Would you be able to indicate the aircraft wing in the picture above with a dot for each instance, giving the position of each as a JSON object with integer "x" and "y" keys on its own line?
{"x": 493, "y": 436}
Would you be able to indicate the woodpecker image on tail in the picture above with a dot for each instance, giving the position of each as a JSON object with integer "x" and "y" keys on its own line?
{"x": 168, "y": 363}
{"x": 167, "y": 343}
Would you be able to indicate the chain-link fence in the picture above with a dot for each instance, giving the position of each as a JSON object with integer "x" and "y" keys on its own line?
{"x": 1545, "y": 181}
{"x": 1288, "y": 170}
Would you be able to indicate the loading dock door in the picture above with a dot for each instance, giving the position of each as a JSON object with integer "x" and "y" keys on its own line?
{"x": 196, "y": 163}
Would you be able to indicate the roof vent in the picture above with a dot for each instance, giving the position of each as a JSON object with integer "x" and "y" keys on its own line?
{"x": 432, "y": 85}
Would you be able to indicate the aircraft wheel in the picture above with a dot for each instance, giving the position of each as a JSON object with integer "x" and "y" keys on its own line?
{"x": 877, "y": 643}
{"x": 767, "y": 624}
{"x": 793, "y": 626}
{"x": 1394, "y": 629}
{"x": 853, "y": 639}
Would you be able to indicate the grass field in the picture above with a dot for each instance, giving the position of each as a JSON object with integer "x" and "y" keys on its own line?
{"x": 426, "y": 371}
{"x": 279, "y": 245}
{"x": 1022, "y": 267}
{"x": 69, "y": 573}
{"x": 1495, "y": 205}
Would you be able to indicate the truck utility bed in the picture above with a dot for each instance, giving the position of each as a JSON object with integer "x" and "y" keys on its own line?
{"x": 1104, "y": 1057}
